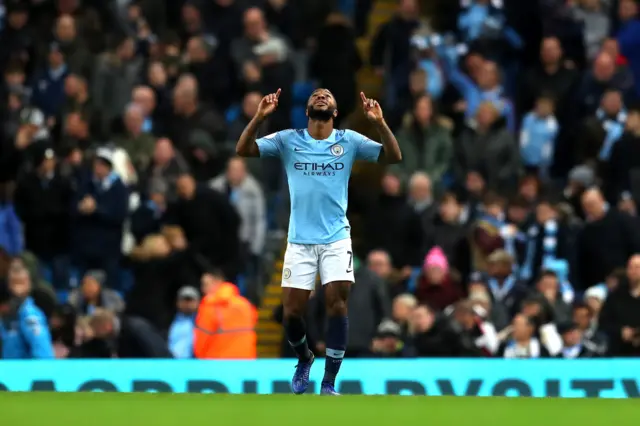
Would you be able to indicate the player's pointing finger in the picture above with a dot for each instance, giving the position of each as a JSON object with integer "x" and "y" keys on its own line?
{"x": 363, "y": 97}
{"x": 278, "y": 93}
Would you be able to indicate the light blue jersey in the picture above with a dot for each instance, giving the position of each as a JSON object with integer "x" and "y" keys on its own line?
{"x": 318, "y": 174}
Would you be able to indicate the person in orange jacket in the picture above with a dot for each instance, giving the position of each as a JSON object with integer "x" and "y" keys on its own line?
{"x": 226, "y": 321}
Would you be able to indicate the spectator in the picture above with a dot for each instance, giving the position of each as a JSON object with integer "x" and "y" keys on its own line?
{"x": 538, "y": 135}
{"x": 250, "y": 104}
{"x": 77, "y": 55}
{"x": 602, "y": 77}
{"x": 138, "y": 144}
{"x": 17, "y": 37}
{"x": 495, "y": 315}
{"x": 99, "y": 210}
{"x": 202, "y": 61}
{"x": 209, "y": 222}
{"x": 135, "y": 337}
{"x": 586, "y": 320}
{"x": 607, "y": 240}
{"x": 28, "y": 336}
{"x": 166, "y": 166}
{"x": 434, "y": 337}
{"x": 115, "y": 77}
{"x": 48, "y": 85}
{"x": 393, "y": 225}
{"x": 623, "y": 160}
{"x": 450, "y": 232}
{"x": 42, "y": 203}
{"x": 387, "y": 342}
{"x": 182, "y": 330}
{"x": 191, "y": 119}
{"x": 401, "y": 309}
{"x": 553, "y": 77}
{"x": 548, "y": 286}
{"x": 148, "y": 218}
{"x": 596, "y": 25}
{"x": 523, "y": 343}
{"x": 390, "y": 50}
{"x": 619, "y": 318}
{"x": 235, "y": 315}
{"x": 547, "y": 239}
{"x": 336, "y": 62}
{"x": 245, "y": 194}
{"x": 503, "y": 283}
{"x": 481, "y": 145}
{"x": 574, "y": 345}
{"x": 426, "y": 142}
{"x": 92, "y": 295}
{"x": 603, "y": 131}
{"x": 422, "y": 202}
{"x": 629, "y": 34}
{"x": 152, "y": 115}
{"x": 436, "y": 287}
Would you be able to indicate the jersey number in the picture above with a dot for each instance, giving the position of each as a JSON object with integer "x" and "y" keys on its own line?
{"x": 349, "y": 267}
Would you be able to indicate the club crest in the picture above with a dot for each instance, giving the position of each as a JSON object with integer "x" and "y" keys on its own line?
{"x": 337, "y": 150}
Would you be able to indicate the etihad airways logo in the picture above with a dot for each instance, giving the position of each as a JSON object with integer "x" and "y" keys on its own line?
{"x": 319, "y": 169}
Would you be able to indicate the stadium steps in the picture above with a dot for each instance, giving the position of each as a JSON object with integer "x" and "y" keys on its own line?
{"x": 269, "y": 332}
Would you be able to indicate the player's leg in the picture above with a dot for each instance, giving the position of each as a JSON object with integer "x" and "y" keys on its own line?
{"x": 298, "y": 280}
{"x": 336, "y": 272}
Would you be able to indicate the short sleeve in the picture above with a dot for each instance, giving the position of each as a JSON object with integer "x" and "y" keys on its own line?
{"x": 366, "y": 149}
{"x": 270, "y": 145}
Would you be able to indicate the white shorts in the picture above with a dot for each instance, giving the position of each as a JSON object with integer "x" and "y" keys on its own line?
{"x": 302, "y": 262}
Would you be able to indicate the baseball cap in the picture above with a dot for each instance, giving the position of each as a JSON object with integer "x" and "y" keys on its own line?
{"x": 388, "y": 328}
{"x": 188, "y": 292}
{"x": 105, "y": 154}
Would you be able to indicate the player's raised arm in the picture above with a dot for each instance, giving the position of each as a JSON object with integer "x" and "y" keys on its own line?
{"x": 247, "y": 146}
{"x": 391, "y": 151}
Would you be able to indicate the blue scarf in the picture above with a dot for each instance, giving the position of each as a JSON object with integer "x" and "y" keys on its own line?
{"x": 501, "y": 291}
{"x": 614, "y": 130}
{"x": 549, "y": 246}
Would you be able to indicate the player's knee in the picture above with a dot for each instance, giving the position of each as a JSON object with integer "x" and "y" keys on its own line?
{"x": 336, "y": 307}
{"x": 292, "y": 312}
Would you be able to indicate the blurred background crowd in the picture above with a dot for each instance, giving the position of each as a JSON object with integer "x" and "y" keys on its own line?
{"x": 128, "y": 228}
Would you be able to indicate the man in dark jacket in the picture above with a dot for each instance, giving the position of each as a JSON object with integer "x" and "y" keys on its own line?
{"x": 393, "y": 41}
{"x": 124, "y": 337}
{"x": 606, "y": 241}
{"x": 42, "y": 202}
{"x": 99, "y": 210}
{"x": 210, "y": 224}
{"x": 620, "y": 316}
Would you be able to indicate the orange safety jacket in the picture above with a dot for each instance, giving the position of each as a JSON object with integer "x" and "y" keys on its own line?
{"x": 225, "y": 326}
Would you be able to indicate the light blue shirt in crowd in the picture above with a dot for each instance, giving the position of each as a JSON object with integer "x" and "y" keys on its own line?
{"x": 181, "y": 336}
{"x": 318, "y": 175}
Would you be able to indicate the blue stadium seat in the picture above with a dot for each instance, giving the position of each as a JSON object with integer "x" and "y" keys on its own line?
{"x": 299, "y": 117}
{"x": 301, "y": 92}
{"x": 232, "y": 113}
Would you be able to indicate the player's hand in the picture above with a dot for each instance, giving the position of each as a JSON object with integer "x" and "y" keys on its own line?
{"x": 268, "y": 104}
{"x": 371, "y": 109}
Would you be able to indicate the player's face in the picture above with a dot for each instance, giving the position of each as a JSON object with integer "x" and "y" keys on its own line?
{"x": 322, "y": 105}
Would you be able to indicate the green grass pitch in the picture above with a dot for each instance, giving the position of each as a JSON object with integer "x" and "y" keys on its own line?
{"x": 113, "y": 409}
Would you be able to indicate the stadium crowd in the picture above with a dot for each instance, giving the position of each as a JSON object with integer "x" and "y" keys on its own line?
{"x": 130, "y": 229}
